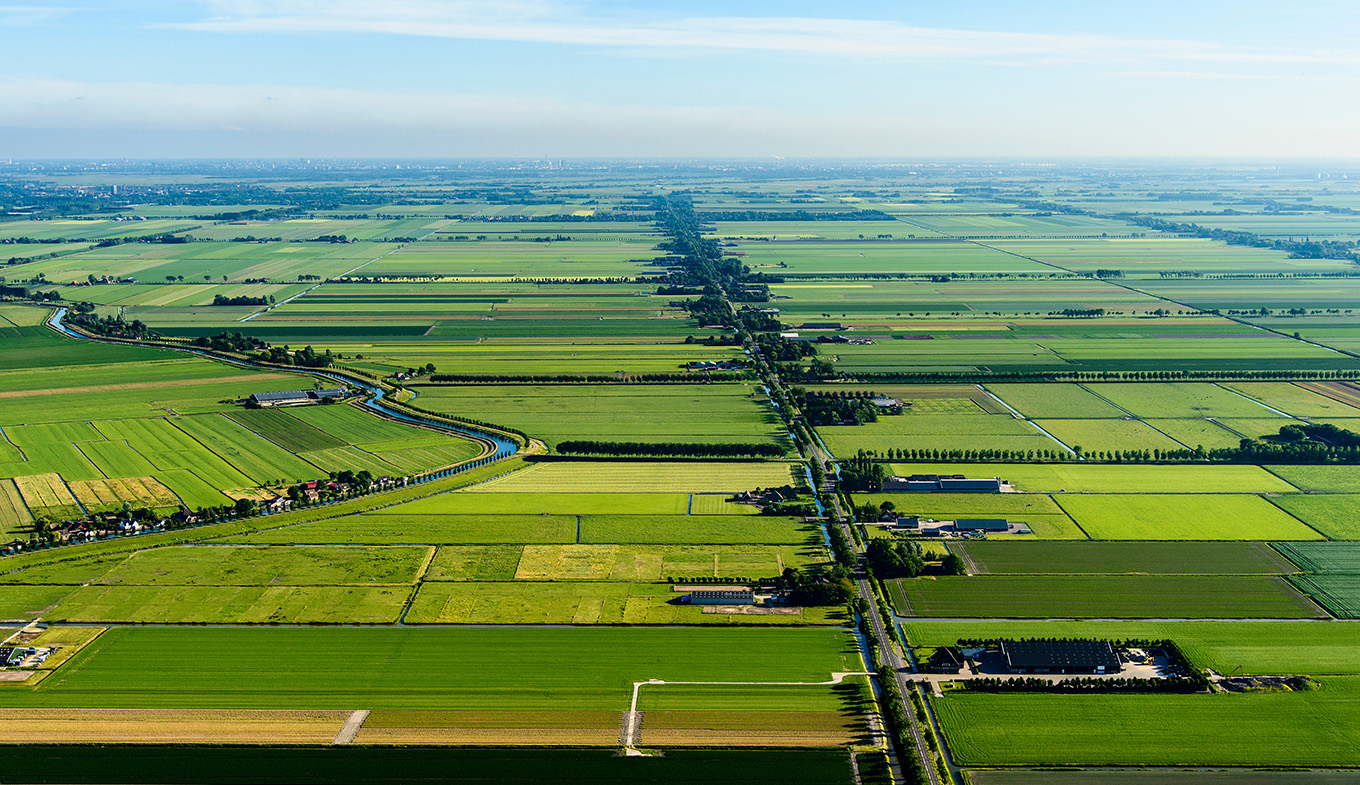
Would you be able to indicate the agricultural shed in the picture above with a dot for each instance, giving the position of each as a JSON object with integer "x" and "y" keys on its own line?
{"x": 721, "y": 597}
{"x": 1060, "y": 656}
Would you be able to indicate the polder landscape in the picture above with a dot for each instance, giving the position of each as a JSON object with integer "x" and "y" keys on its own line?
{"x": 679, "y": 472}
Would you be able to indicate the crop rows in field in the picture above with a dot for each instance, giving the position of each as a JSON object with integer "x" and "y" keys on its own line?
{"x": 1114, "y": 558}
{"x": 1102, "y": 596}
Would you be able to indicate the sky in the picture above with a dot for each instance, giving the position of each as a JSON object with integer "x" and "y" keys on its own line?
{"x": 639, "y": 78}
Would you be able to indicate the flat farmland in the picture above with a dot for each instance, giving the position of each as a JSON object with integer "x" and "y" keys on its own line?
{"x": 233, "y": 604}
{"x": 526, "y": 501}
{"x": 1327, "y": 479}
{"x": 1337, "y": 516}
{"x": 194, "y": 565}
{"x": 886, "y": 256}
{"x": 1113, "y": 558}
{"x": 1157, "y": 253}
{"x": 1188, "y": 731}
{"x": 1045, "y": 517}
{"x": 1104, "y": 596}
{"x": 1323, "y": 557}
{"x": 25, "y": 603}
{"x": 1182, "y": 517}
{"x": 540, "y": 355}
{"x": 1108, "y": 435}
{"x": 368, "y": 762}
{"x": 634, "y": 563}
{"x": 644, "y": 477}
{"x": 425, "y": 668}
{"x": 1114, "y": 478}
{"x": 1056, "y": 400}
{"x": 696, "y": 529}
{"x": 1209, "y": 434}
{"x": 583, "y": 602}
{"x": 1338, "y": 593}
{"x": 1257, "y": 647}
{"x": 1301, "y": 400}
{"x": 1179, "y": 399}
{"x": 489, "y": 261}
{"x": 936, "y": 431}
{"x": 400, "y": 528}
{"x": 981, "y": 225}
{"x": 727, "y": 413}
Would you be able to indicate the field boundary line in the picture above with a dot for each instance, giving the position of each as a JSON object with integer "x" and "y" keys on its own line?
{"x": 1083, "y": 386}
{"x": 1052, "y": 498}
{"x": 1267, "y": 470}
{"x": 1295, "y": 517}
{"x": 1167, "y": 435}
{"x": 1220, "y": 386}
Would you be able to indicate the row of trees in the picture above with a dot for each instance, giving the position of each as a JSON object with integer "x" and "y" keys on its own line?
{"x": 673, "y": 449}
{"x": 242, "y": 300}
{"x": 639, "y": 378}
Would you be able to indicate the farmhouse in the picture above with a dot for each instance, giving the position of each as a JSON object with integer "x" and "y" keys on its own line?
{"x": 295, "y": 397}
{"x": 934, "y": 482}
{"x": 946, "y": 659}
{"x": 1060, "y": 656}
{"x": 721, "y": 597}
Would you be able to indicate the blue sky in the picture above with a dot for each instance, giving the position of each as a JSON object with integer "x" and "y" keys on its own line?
{"x": 560, "y": 78}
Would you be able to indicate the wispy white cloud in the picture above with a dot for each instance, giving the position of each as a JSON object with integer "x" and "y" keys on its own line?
{"x": 27, "y": 15}
{"x": 546, "y": 21}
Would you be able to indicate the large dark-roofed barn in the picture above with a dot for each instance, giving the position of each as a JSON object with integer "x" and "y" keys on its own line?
{"x": 1055, "y": 656}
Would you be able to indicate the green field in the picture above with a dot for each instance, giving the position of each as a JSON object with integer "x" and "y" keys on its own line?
{"x": 640, "y": 477}
{"x": 1335, "y": 515}
{"x": 278, "y": 566}
{"x": 1091, "y": 596}
{"x": 413, "y": 668}
{"x": 153, "y": 765}
{"x": 233, "y": 604}
{"x": 583, "y": 602}
{"x": 1115, "y": 558}
{"x": 1257, "y": 647}
{"x": 726, "y": 413}
{"x": 1115, "y": 478}
{"x": 435, "y": 529}
{"x": 1329, "y": 479}
{"x": 1182, "y": 517}
{"x": 1169, "y": 730}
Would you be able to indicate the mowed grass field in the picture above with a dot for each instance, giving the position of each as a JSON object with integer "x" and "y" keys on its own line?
{"x": 585, "y": 602}
{"x": 724, "y": 413}
{"x": 615, "y": 562}
{"x": 1182, "y": 517}
{"x": 1116, "y": 478}
{"x": 645, "y": 477}
{"x": 1170, "y": 730}
{"x": 433, "y": 668}
{"x": 1335, "y": 515}
{"x": 1102, "y": 596}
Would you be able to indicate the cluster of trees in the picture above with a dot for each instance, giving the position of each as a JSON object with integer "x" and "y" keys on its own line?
{"x": 230, "y": 342}
{"x": 1297, "y": 249}
{"x": 170, "y": 239}
{"x": 306, "y": 357}
{"x": 783, "y": 350}
{"x": 243, "y": 300}
{"x": 673, "y": 449}
{"x": 109, "y": 326}
{"x": 905, "y": 559}
{"x": 1323, "y": 432}
{"x": 862, "y": 473}
{"x": 816, "y": 586}
{"x": 1081, "y": 313}
{"x": 841, "y": 407}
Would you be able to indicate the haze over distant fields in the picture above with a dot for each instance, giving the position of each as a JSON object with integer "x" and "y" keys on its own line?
{"x": 277, "y": 78}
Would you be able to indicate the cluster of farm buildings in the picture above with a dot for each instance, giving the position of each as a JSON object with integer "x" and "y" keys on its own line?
{"x": 1079, "y": 656}
{"x": 296, "y": 397}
